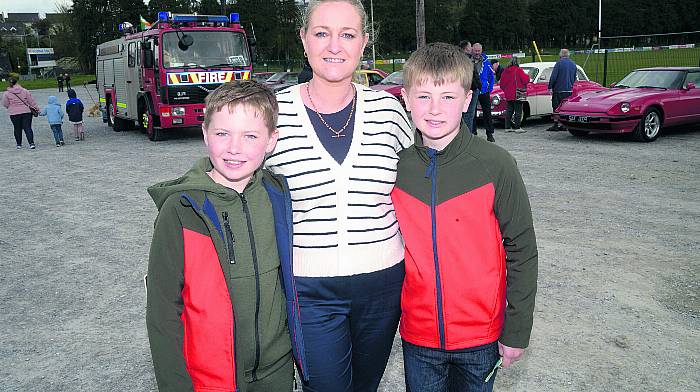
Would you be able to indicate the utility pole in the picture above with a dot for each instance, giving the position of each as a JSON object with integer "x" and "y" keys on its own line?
{"x": 600, "y": 20}
{"x": 374, "y": 53}
{"x": 420, "y": 23}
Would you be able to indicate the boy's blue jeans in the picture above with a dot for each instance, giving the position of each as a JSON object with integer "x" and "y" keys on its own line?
{"x": 435, "y": 370}
{"x": 57, "y": 132}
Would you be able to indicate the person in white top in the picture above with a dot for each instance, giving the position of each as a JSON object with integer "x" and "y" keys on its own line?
{"x": 338, "y": 146}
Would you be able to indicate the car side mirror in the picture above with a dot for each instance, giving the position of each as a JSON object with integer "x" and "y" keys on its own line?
{"x": 690, "y": 86}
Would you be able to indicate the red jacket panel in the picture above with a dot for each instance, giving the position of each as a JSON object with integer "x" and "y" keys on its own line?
{"x": 513, "y": 77}
{"x": 470, "y": 258}
{"x": 207, "y": 317}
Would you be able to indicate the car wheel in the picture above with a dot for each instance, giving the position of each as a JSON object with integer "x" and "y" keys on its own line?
{"x": 578, "y": 133}
{"x": 649, "y": 126}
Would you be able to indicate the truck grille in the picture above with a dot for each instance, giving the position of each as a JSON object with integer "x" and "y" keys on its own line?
{"x": 178, "y": 95}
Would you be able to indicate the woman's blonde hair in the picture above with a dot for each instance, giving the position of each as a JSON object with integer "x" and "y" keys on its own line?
{"x": 441, "y": 62}
{"x": 306, "y": 16}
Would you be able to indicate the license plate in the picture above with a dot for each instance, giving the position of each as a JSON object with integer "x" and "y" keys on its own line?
{"x": 581, "y": 119}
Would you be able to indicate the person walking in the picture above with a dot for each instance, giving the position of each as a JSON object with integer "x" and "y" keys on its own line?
{"x": 74, "y": 109}
{"x": 338, "y": 148}
{"x": 497, "y": 69}
{"x": 469, "y": 117}
{"x": 66, "y": 77}
{"x": 59, "y": 81}
{"x": 561, "y": 83}
{"x": 54, "y": 114}
{"x": 514, "y": 86}
{"x": 482, "y": 64}
{"x": 22, "y": 107}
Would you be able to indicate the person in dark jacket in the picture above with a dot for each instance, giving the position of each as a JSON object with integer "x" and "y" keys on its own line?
{"x": 74, "y": 109}
{"x": 512, "y": 80}
{"x": 66, "y": 77}
{"x": 497, "y": 69}
{"x": 59, "y": 80}
{"x": 469, "y": 117}
{"x": 561, "y": 83}
{"x": 221, "y": 299}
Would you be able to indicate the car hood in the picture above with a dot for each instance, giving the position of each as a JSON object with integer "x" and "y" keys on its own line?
{"x": 393, "y": 89}
{"x": 603, "y": 100}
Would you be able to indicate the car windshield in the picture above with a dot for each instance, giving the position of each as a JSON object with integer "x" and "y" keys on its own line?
{"x": 276, "y": 77}
{"x": 395, "y": 78}
{"x": 652, "y": 79}
{"x": 531, "y": 72}
{"x": 208, "y": 49}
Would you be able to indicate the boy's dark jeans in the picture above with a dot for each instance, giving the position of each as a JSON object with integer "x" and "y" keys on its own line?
{"x": 22, "y": 122}
{"x": 57, "y": 132}
{"x": 434, "y": 370}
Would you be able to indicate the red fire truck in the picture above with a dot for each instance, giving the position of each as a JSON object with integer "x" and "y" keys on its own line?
{"x": 158, "y": 78}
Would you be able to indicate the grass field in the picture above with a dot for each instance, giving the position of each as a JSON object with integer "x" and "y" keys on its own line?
{"x": 76, "y": 80}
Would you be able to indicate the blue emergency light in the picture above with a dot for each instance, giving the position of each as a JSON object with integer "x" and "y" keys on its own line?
{"x": 234, "y": 17}
{"x": 163, "y": 16}
{"x": 168, "y": 17}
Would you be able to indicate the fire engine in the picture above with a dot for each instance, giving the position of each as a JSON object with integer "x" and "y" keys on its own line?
{"x": 158, "y": 78}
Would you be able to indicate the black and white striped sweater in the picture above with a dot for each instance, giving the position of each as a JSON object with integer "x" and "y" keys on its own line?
{"x": 344, "y": 220}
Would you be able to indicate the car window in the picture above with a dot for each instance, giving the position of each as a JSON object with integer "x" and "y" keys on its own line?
{"x": 374, "y": 78}
{"x": 544, "y": 76}
{"x": 360, "y": 78}
{"x": 292, "y": 78}
{"x": 580, "y": 75}
{"x": 693, "y": 77}
{"x": 531, "y": 73}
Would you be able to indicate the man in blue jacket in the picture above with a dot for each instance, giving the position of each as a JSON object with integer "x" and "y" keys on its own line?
{"x": 561, "y": 83}
{"x": 483, "y": 65}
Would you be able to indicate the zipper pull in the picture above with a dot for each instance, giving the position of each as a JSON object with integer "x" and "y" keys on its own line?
{"x": 230, "y": 242}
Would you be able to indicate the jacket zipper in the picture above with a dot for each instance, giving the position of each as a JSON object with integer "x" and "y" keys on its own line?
{"x": 246, "y": 211}
{"x": 432, "y": 171}
{"x": 230, "y": 242}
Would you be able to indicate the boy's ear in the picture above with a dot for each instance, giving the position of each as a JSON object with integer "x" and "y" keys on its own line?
{"x": 204, "y": 134}
{"x": 404, "y": 95}
{"x": 272, "y": 142}
{"x": 467, "y": 101}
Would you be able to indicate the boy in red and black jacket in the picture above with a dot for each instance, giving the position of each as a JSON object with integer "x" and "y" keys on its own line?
{"x": 471, "y": 255}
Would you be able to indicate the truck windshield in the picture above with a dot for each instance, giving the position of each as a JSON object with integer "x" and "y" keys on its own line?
{"x": 209, "y": 49}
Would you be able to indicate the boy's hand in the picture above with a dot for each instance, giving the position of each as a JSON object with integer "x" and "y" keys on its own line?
{"x": 509, "y": 354}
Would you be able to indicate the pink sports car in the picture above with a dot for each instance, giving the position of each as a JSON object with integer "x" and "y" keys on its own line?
{"x": 642, "y": 103}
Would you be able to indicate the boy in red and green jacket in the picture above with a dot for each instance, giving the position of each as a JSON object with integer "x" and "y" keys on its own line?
{"x": 471, "y": 255}
{"x": 222, "y": 303}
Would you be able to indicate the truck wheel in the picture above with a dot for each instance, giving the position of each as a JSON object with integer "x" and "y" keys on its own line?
{"x": 154, "y": 134}
{"x": 110, "y": 114}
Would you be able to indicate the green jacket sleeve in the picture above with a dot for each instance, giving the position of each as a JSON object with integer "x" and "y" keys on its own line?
{"x": 512, "y": 209}
{"x": 164, "y": 301}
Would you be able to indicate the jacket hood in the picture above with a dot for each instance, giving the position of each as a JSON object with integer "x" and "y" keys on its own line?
{"x": 53, "y": 100}
{"x": 16, "y": 89}
{"x": 72, "y": 94}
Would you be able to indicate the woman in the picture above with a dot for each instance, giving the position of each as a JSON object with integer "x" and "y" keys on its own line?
{"x": 338, "y": 146}
{"x": 19, "y": 103}
{"x": 513, "y": 79}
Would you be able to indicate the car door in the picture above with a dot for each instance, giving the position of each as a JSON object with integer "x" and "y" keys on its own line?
{"x": 540, "y": 97}
{"x": 689, "y": 98}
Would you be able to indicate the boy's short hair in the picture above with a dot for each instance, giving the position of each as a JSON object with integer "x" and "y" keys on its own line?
{"x": 440, "y": 62}
{"x": 243, "y": 92}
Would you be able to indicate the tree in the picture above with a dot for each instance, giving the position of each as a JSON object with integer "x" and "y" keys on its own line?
{"x": 209, "y": 7}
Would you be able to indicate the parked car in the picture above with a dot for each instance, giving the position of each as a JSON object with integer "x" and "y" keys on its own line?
{"x": 282, "y": 80}
{"x": 642, "y": 103}
{"x": 261, "y": 77}
{"x": 539, "y": 98}
{"x": 369, "y": 77}
{"x": 392, "y": 84}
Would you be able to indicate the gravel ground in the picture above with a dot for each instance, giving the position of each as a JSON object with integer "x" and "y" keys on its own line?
{"x": 617, "y": 224}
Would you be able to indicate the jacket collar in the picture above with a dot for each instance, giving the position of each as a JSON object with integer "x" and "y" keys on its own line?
{"x": 460, "y": 143}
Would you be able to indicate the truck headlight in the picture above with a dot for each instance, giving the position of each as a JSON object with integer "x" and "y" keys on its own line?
{"x": 625, "y": 107}
{"x": 178, "y": 111}
{"x": 495, "y": 101}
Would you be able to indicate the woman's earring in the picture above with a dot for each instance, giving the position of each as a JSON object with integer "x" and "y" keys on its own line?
{"x": 305, "y": 56}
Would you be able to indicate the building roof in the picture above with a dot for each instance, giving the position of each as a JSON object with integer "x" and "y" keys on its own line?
{"x": 24, "y": 17}
{"x": 12, "y": 28}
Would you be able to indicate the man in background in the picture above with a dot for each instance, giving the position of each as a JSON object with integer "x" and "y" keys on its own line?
{"x": 561, "y": 83}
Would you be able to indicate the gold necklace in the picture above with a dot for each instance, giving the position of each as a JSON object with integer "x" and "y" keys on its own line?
{"x": 336, "y": 134}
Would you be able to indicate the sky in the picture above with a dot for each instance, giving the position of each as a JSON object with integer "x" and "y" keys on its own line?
{"x": 40, "y": 6}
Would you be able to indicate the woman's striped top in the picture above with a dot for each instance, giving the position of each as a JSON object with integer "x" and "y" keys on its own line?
{"x": 344, "y": 220}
